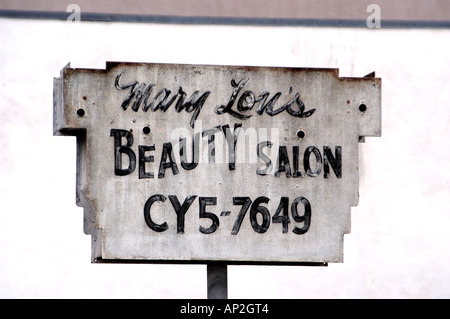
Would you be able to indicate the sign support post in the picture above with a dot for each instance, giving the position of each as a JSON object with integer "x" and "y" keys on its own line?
{"x": 216, "y": 165}
{"x": 217, "y": 281}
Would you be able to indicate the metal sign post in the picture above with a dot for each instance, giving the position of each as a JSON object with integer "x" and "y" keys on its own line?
{"x": 217, "y": 274}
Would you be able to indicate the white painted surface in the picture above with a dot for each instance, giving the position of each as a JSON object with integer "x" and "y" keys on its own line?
{"x": 398, "y": 246}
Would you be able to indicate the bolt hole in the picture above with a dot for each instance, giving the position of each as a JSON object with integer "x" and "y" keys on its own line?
{"x": 301, "y": 134}
{"x": 146, "y": 130}
{"x": 362, "y": 108}
{"x": 81, "y": 112}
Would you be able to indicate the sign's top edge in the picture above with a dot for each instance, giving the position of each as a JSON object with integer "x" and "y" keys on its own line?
{"x": 112, "y": 64}
{"x": 109, "y": 65}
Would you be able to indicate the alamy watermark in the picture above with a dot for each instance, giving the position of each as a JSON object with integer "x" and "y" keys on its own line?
{"x": 75, "y": 13}
{"x": 374, "y": 19}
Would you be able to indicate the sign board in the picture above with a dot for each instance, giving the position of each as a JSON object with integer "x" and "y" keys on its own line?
{"x": 201, "y": 163}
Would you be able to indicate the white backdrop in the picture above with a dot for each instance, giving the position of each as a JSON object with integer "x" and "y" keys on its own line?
{"x": 399, "y": 246}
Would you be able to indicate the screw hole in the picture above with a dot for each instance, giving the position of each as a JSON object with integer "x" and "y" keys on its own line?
{"x": 146, "y": 130}
{"x": 362, "y": 108}
{"x": 81, "y": 112}
{"x": 301, "y": 134}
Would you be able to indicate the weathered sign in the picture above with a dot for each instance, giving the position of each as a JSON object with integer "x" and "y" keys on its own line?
{"x": 197, "y": 163}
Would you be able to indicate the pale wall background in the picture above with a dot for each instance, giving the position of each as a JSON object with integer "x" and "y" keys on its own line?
{"x": 399, "y": 246}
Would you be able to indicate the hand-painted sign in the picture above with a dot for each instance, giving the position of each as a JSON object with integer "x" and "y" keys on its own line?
{"x": 196, "y": 163}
